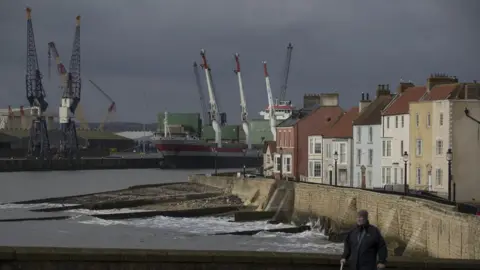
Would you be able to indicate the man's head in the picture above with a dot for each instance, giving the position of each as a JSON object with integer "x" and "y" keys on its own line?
{"x": 362, "y": 217}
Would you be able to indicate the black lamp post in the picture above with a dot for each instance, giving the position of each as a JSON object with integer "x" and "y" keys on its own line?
{"x": 335, "y": 157}
{"x": 244, "y": 167}
{"x": 405, "y": 162}
{"x": 281, "y": 163}
{"x": 449, "y": 160}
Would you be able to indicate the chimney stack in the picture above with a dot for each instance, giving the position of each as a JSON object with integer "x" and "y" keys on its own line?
{"x": 439, "y": 79}
{"x": 364, "y": 102}
{"x": 383, "y": 90}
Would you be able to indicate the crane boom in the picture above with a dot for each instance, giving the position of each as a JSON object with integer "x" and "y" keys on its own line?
{"x": 202, "y": 97}
{"x": 286, "y": 72}
{"x": 271, "y": 106}
{"x": 112, "y": 108}
{"x": 243, "y": 103}
{"x": 214, "y": 114}
{"x": 38, "y": 144}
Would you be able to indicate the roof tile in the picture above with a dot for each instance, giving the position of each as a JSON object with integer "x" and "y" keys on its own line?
{"x": 343, "y": 128}
{"x": 372, "y": 115}
{"x": 400, "y": 104}
{"x": 442, "y": 91}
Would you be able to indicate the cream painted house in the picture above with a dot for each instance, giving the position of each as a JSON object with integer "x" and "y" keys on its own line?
{"x": 268, "y": 158}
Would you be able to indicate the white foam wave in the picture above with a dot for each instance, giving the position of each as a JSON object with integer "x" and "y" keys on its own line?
{"x": 202, "y": 225}
{"x": 108, "y": 211}
{"x": 37, "y": 205}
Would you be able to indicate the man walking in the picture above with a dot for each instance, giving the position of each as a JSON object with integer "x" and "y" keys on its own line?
{"x": 363, "y": 244}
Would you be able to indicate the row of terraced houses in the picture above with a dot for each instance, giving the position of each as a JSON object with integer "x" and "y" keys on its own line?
{"x": 397, "y": 135}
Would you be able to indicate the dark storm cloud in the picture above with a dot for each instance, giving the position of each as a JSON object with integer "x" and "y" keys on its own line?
{"x": 141, "y": 52}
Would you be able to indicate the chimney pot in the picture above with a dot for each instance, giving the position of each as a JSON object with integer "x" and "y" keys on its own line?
{"x": 363, "y": 96}
{"x": 368, "y": 98}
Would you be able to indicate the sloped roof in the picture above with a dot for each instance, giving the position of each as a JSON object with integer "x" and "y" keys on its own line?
{"x": 297, "y": 115}
{"x": 330, "y": 114}
{"x": 372, "y": 115}
{"x": 343, "y": 128}
{"x": 442, "y": 91}
{"x": 269, "y": 144}
{"x": 400, "y": 104}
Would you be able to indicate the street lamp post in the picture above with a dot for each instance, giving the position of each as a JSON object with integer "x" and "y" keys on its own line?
{"x": 244, "y": 167}
{"x": 449, "y": 160}
{"x": 335, "y": 157}
{"x": 281, "y": 163}
{"x": 405, "y": 161}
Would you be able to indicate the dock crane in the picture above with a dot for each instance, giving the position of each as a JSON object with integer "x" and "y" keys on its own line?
{"x": 111, "y": 109}
{"x": 70, "y": 98}
{"x": 39, "y": 144}
{"x": 243, "y": 103}
{"x": 286, "y": 71}
{"x": 271, "y": 111}
{"x": 205, "y": 118}
{"x": 214, "y": 113}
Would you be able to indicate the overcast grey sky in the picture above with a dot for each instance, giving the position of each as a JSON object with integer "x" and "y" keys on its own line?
{"x": 141, "y": 52}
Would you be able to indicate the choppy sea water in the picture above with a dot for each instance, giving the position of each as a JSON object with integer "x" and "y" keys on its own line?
{"x": 82, "y": 230}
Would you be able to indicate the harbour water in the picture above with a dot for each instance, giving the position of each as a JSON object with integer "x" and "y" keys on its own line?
{"x": 82, "y": 230}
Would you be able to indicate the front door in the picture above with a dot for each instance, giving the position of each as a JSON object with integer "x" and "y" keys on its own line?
{"x": 330, "y": 176}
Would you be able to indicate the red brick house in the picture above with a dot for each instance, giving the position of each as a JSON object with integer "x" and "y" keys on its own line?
{"x": 291, "y": 157}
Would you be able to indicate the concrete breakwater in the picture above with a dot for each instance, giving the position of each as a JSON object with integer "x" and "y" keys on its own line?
{"x": 17, "y": 165}
{"x": 90, "y": 258}
{"x": 417, "y": 227}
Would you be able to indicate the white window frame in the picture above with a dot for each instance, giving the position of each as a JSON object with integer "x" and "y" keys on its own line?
{"x": 384, "y": 175}
{"x": 389, "y": 176}
{"x": 440, "y": 120}
{"x": 388, "y": 122}
{"x": 418, "y": 175}
{"x": 370, "y": 134}
{"x": 395, "y": 175}
{"x": 396, "y": 121}
{"x": 389, "y": 148}
{"x": 419, "y": 147}
{"x": 359, "y": 134}
{"x": 328, "y": 150}
{"x": 439, "y": 147}
{"x": 370, "y": 157}
{"x": 384, "y": 148}
{"x": 438, "y": 177}
{"x": 429, "y": 118}
{"x": 277, "y": 163}
{"x": 313, "y": 142}
{"x": 312, "y": 168}
{"x": 403, "y": 121}
{"x": 359, "y": 156}
{"x": 401, "y": 148}
{"x": 287, "y": 163}
{"x": 342, "y": 155}
{"x": 369, "y": 178}
{"x": 417, "y": 119}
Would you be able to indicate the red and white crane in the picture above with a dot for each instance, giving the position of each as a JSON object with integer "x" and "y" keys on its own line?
{"x": 243, "y": 103}
{"x": 214, "y": 113}
{"x": 271, "y": 111}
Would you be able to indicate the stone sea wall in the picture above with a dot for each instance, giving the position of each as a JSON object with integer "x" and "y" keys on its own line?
{"x": 423, "y": 227}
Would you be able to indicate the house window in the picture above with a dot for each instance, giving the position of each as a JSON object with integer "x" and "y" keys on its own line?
{"x": 417, "y": 119}
{"x": 383, "y": 175}
{"x": 287, "y": 162}
{"x": 329, "y": 150}
{"x": 401, "y": 148}
{"x": 396, "y": 121}
{"x": 441, "y": 119}
{"x": 419, "y": 175}
{"x": 402, "y": 121}
{"x": 419, "y": 147}
{"x": 343, "y": 153}
{"x": 384, "y": 148}
{"x": 369, "y": 177}
{"x": 370, "y": 134}
{"x": 359, "y": 134}
{"x": 389, "y": 175}
{"x": 439, "y": 148}
{"x": 318, "y": 148}
{"x": 388, "y": 122}
{"x": 370, "y": 157}
{"x": 268, "y": 158}
{"x": 311, "y": 143}
{"x": 428, "y": 120}
{"x": 401, "y": 176}
{"x": 359, "y": 156}
{"x": 389, "y": 148}
{"x": 439, "y": 177}
{"x": 395, "y": 175}
{"x": 278, "y": 163}
{"x": 315, "y": 168}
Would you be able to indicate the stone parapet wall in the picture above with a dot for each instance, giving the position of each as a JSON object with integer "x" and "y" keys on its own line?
{"x": 32, "y": 258}
{"x": 426, "y": 228}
